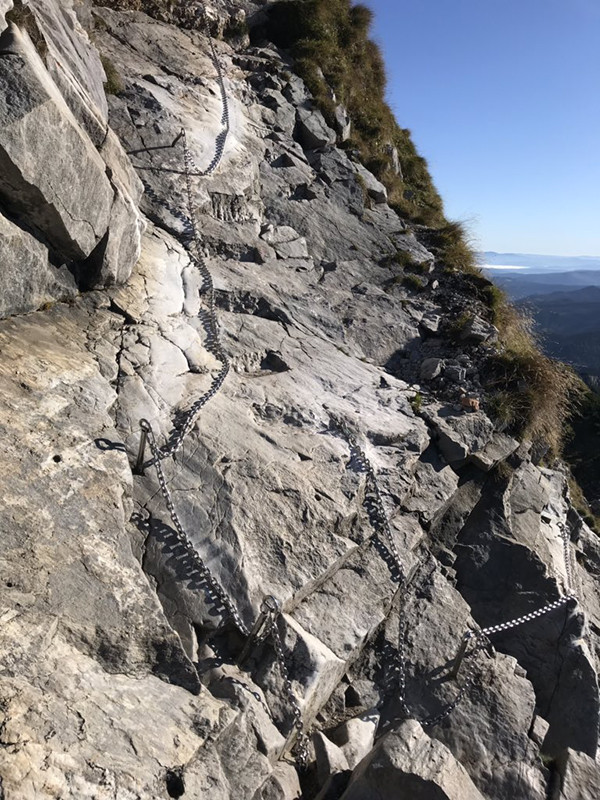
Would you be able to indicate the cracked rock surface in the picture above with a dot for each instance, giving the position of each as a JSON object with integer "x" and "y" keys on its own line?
{"x": 118, "y": 672}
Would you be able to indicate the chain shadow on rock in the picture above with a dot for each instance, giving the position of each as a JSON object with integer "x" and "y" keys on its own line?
{"x": 222, "y": 637}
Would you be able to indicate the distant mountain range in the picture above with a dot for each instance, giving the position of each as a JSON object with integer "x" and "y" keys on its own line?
{"x": 566, "y": 309}
{"x": 520, "y": 284}
{"x": 540, "y": 263}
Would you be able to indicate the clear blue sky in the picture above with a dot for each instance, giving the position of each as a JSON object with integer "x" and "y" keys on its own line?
{"x": 503, "y": 99}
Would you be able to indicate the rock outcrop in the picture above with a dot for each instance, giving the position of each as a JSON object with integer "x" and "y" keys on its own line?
{"x": 120, "y": 674}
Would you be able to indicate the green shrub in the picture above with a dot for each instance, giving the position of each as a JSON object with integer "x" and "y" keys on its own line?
{"x": 458, "y": 325}
{"x": 114, "y": 82}
{"x": 417, "y": 402}
{"x": 401, "y": 259}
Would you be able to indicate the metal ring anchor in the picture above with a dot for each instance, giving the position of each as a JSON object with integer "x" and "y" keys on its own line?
{"x": 270, "y": 606}
{"x": 146, "y": 428}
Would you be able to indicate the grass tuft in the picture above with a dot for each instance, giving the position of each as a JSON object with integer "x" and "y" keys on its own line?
{"x": 532, "y": 395}
{"x": 114, "y": 82}
{"x": 453, "y": 247}
{"x": 329, "y": 40}
{"x": 413, "y": 282}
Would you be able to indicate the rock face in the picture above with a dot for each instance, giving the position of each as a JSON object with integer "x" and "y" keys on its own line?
{"x": 407, "y": 763}
{"x": 121, "y": 667}
{"x": 79, "y": 203}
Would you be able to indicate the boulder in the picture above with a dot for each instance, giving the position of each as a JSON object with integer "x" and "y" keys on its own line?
{"x": 375, "y": 188}
{"x": 431, "y": 368}
{"x": 408, "y": 764}
{"x": 311, "y": 129}
{"x": 27, "y": 279}
{"x": 286, "y": 242}
{"x": 498, "y": 449}
{"x": 124, "y": 236}
{"x": 330, "y": 758}
{"x": 477, "y": 330}
{"x": 579, "y": 777}
{"x": 434, "y": 485}
{"x": 50, "y": 173}
{"x": 343, "y": 123}
{"x": 430, "y": 323}
{"x": 470, "y": 403}
{"x": 395, "y": 164}
{"x": 458, "y": 434}
{"x": 5, "y": 6}
{"x": 356, "y": 737}
{"x": 455, "y": 373}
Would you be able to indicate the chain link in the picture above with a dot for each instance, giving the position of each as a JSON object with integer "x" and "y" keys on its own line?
{"x": 208, "y": 315}
{"x": 373, "y": 501}
{"x": 213, "y": 343}
{"x": 300, "y": 748}
{"x": 400, "y": 668}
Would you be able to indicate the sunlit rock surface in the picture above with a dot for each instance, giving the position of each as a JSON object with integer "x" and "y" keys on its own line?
{"x": 118, "y": 678}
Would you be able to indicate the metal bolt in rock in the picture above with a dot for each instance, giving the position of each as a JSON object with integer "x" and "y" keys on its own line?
{"x": 268, "y": 607}
{"x": 138, "y": 468}
{"x": 461, "y": 653}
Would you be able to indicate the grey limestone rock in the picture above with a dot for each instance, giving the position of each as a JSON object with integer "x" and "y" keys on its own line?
{"x": 578, "y": 777}
{"x": 119, "y": 674}
{"x": 343, "y": 123}
{"x": 27, "y": 279}
{"x": 50, "y": 171}
{"x": 455, "y": 373}
{"x": 498, "y": 449}
{"x": 431, "y": 368}
{"x": 356, "y": 737}
{"x": 5, "y": 6}
{"x": 311, "y": 129}
{"x": 286, "y": 242}
{"x": 459, "y": 434}
{"x": 477, "y": 330}
{"x": 394, "y": 159}
{"x": 407, "y": 763}
{"x": 73, "y": 63}
{"x": 374, "y": 188}
{"x": 430, "y": 322}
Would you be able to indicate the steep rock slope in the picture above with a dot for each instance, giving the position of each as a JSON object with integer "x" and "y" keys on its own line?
{"x": 119, "y": 676}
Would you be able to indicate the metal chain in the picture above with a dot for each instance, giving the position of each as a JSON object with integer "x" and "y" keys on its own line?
{"x": 256, "y": 695}
{"x": 566, "y": 541}
{"x": 380, "y": 522}
{"x": 300, "y": 748}
{"x": 540, "y": 612}
{"x": 213, "y": 342}
{"x": 373, "y": 501}
{"x": 215, "y": 590}
{"x": 400, "y": 669}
